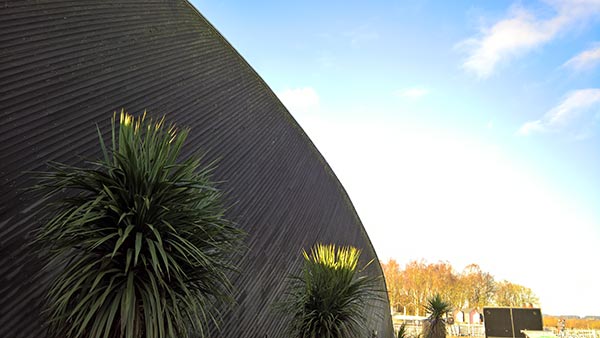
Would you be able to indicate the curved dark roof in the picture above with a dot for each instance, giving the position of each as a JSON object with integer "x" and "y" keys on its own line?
{"x": 65, "y": 66}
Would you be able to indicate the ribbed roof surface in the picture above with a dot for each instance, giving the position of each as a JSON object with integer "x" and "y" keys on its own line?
{"x": 66, "y": 66}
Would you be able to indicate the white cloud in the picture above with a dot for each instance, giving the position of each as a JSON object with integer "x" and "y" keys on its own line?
{"x": 326, "y": 60}
{"x": 521, "y": 32}
{"x": 300, "y": 100}
{"x": 531, "y": 127}
{"x": 585, "y": 60}
{"x": 362, "y": 34}
{"x": 466, "y": 192}
{"x": 577, "y": 110}
{"x": 413, "y": 93}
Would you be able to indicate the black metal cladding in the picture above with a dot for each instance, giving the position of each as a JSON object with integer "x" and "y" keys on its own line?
{"x": 508, "y": 322}
{"x": 66, "y": 66}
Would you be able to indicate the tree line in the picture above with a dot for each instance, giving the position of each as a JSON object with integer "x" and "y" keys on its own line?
{"x": 572, "y": 323}
{"x": 410, "y": 286}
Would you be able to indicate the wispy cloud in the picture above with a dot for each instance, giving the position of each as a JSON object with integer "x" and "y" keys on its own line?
{"x": 575, "y": 113}
{"x": 326, "y": 60}
{"x": 412, "y": 93}
{"x": 362, "y": 34}
{"x": 299, "y": 100}
{"x": 522, "y": 31}
{"x": 585, "y": 60}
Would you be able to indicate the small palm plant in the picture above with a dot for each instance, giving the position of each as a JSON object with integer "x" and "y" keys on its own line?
{"x": 402, "y": 331}
{"x": 329, "y": 298}
{"x": 139, "y": 238}
{"x": 435, "y": 324}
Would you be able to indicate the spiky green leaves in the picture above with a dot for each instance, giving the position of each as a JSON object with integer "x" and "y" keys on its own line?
{"x": 139, "y": 237}
{"x": 402, "y": 331}
{"x": 329, "y": 298}
{"x": 435, "y": 325}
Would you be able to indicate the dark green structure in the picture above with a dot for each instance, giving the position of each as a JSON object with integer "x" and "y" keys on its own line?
{"x": 66, "y": 66}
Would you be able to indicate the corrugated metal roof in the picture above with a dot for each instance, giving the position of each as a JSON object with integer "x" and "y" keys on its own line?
{"x": 65, "y": 66}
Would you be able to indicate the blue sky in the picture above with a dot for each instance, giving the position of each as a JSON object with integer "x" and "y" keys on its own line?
{"x": 463, "y": 131}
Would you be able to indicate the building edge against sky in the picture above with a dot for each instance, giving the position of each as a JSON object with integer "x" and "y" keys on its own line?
{"x": 485, "y": 157}
{"x": 69, "y": 67}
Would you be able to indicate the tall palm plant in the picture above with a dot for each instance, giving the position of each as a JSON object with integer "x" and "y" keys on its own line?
{"x": 139, "y": 237}
{"x": 435, "y": 324}
{"x": 328, "y": 298}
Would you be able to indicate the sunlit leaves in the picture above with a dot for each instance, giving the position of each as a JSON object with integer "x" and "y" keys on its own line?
{"x": 139, "y": 239}
{"x": 411, "y": 286}
{"x": 510, "y": 294}
{"x": 328, "y": 298}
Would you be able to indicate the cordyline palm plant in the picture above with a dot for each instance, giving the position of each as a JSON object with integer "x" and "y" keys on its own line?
{"x": 402, "y": 331}
{"x": 139, "y": 237}
{"x": 329, "y": 298}
{"x": 435, "y": 324}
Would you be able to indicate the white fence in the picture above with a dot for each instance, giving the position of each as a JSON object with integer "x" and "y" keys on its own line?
{"x": 466, "y": 330}
{"x": 414, "y": 330}
{"x": 457, "y": 330}
{"x": 579, "y": 333}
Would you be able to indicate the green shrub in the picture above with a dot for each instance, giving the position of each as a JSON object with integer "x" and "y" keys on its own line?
{"x": 328, "y": 298}
{"x": 139, "y": 237}
{"x": 402, "y": 331}
{"x": 435, "y": 324}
